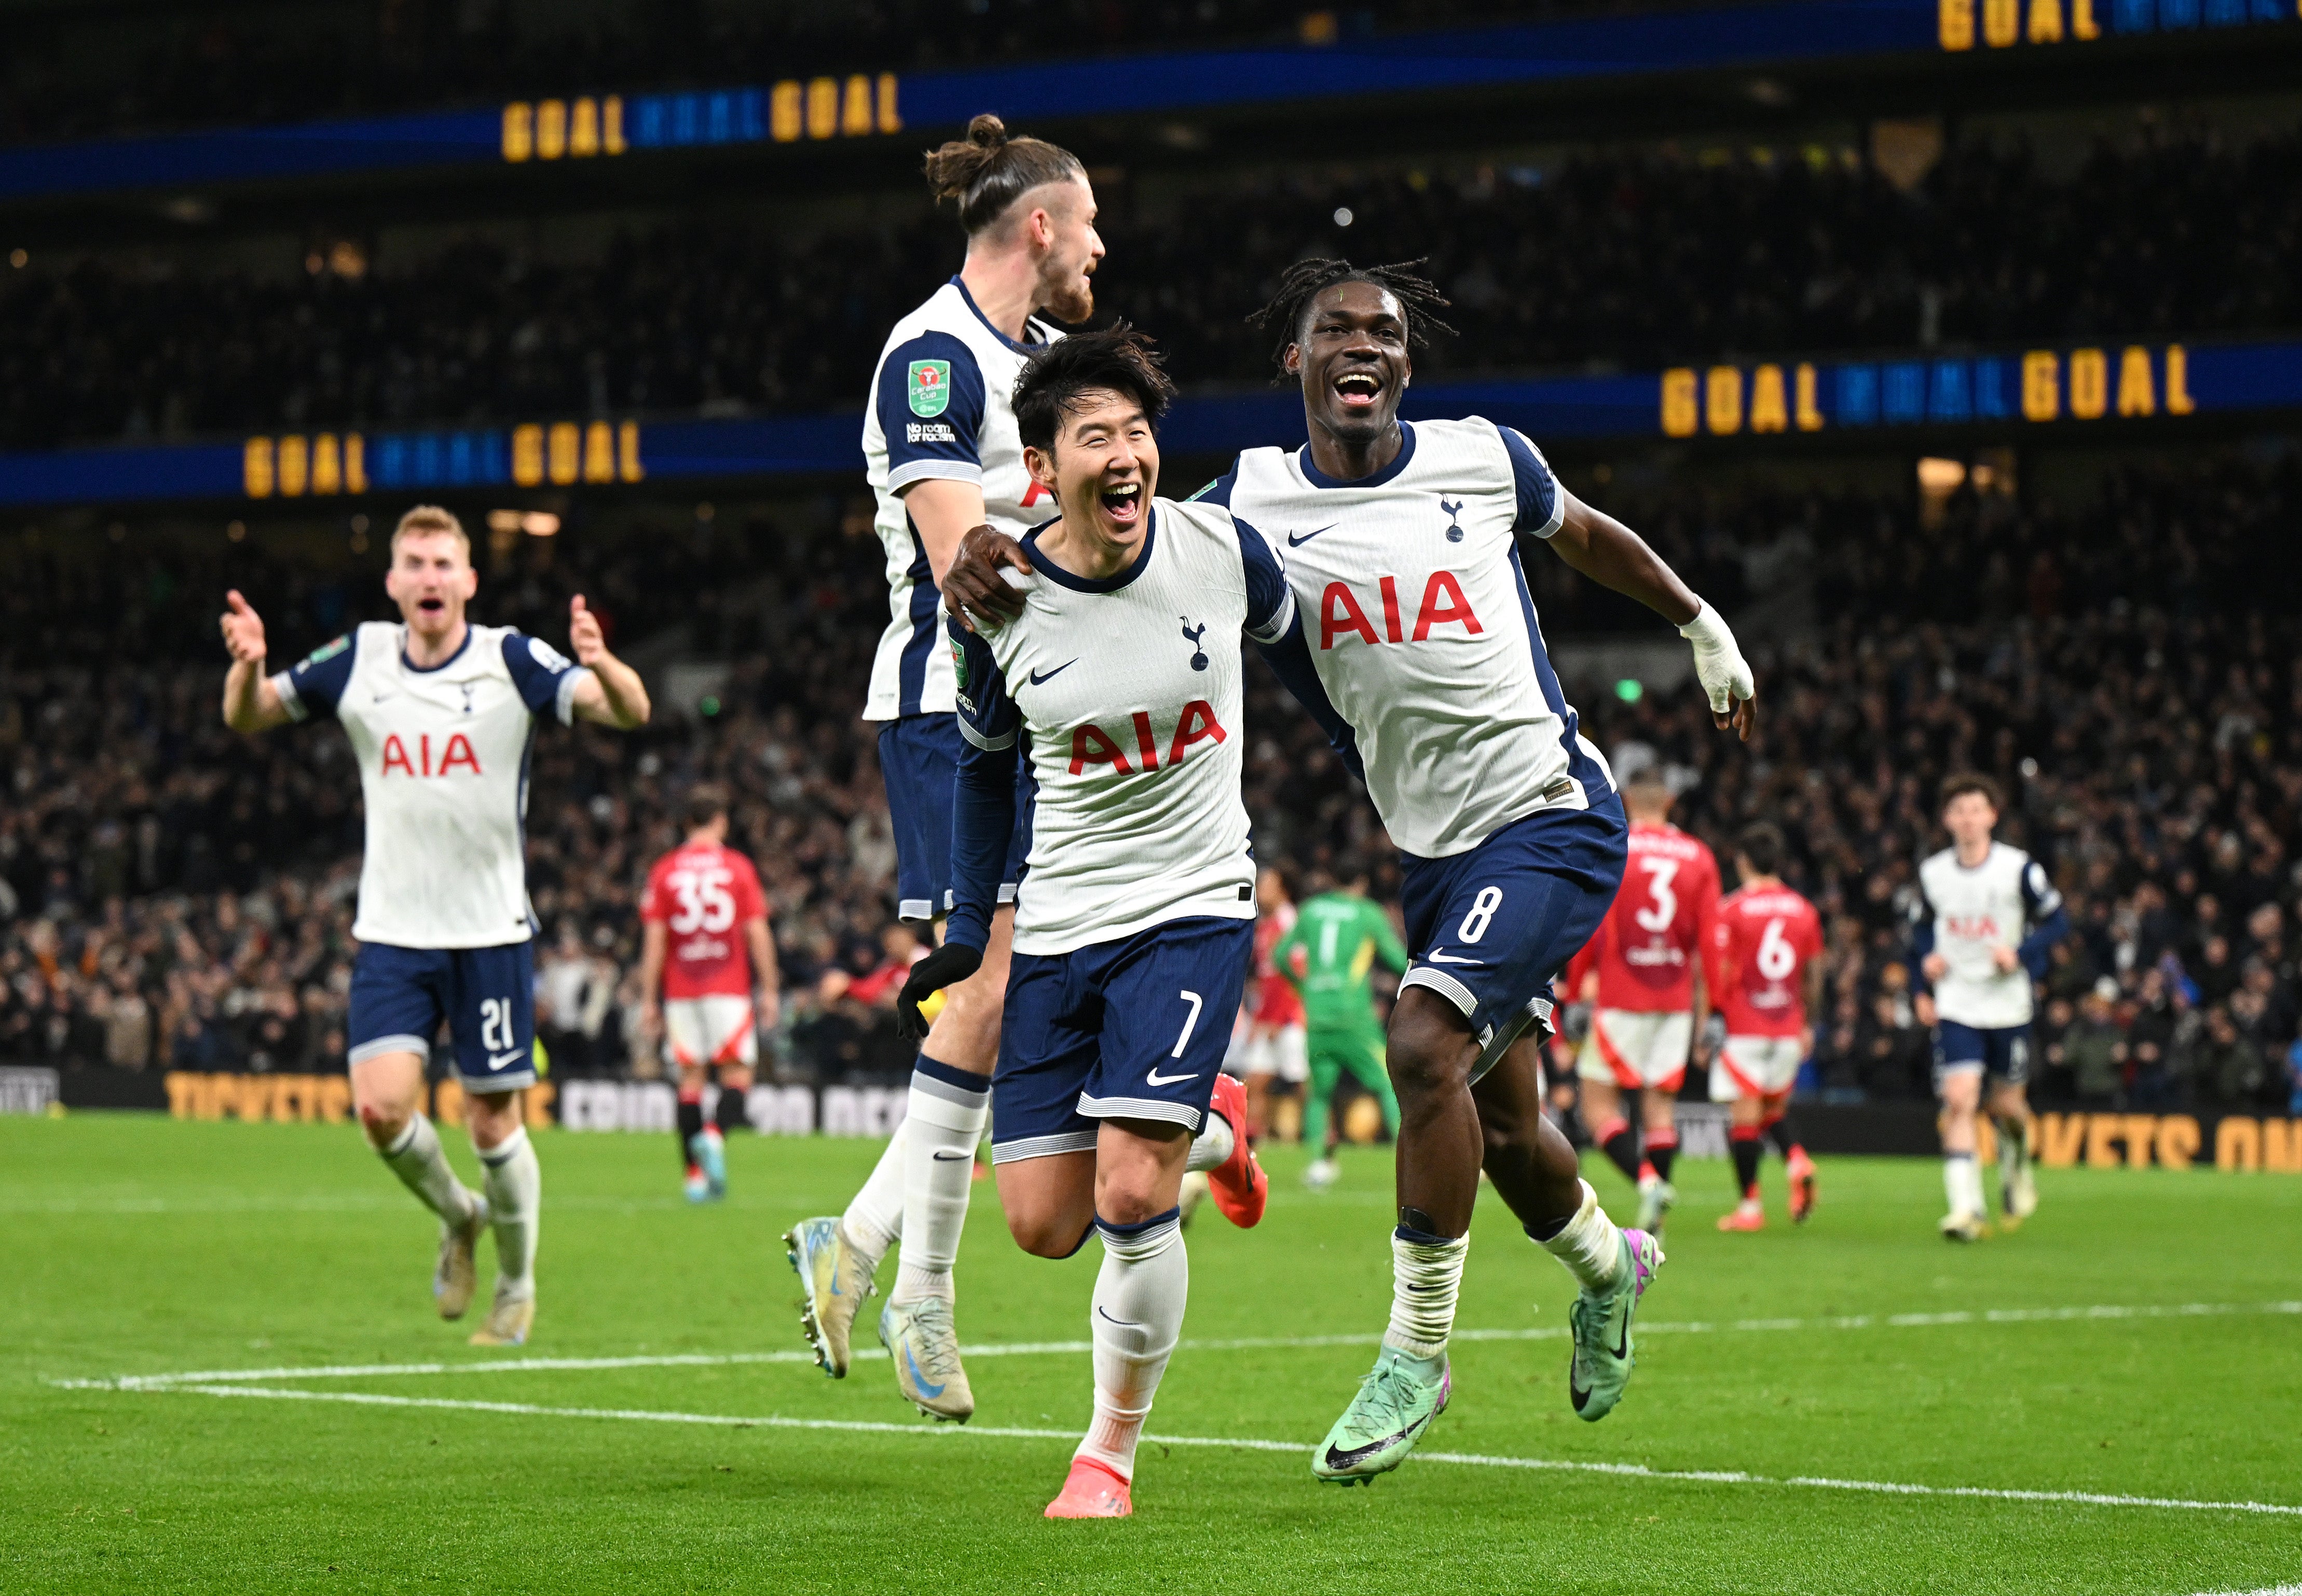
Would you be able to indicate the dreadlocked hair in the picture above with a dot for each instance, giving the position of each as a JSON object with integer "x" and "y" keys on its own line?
{"x": 1418, "y": 296}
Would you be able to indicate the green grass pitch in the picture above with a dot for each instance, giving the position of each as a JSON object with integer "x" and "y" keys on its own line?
{"x": 135, "y": 1245}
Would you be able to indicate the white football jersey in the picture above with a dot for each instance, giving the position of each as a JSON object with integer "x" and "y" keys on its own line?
{"x": 942, "y": 405}
{"x": 1127, "y": 692}
{"x": 1417, "y": 618}
{"x": 1995, "y": 905}
{"x": 443, "y": 775}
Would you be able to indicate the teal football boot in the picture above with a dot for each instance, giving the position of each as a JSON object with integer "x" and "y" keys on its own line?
{"x": 1395, "y": 1405}
{"x": 1601, "y": 1364}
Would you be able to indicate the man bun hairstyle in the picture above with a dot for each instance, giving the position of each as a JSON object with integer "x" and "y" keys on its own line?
{"x": 988, "y": 170}
{"x": 1960, "y": 783}
{"x": 1419, "y": 300}
{"x": 707, "y": 801}
{"x": 1121, "y": 360}
{"x": 1762, "y": 842}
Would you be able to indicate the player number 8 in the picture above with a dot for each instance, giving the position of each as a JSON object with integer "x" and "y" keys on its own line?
{"x": 1482, "y": 911}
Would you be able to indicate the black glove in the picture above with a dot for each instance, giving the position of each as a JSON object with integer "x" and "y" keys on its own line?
{"x": 948, "y": 966}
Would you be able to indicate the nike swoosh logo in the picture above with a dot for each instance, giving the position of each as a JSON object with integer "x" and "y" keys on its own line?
{"x": 1436, "y": 956}
{"x": 941, "y": 1156}
{"x": 497, "y": 1061}
{"x": 918, "y": 1379}
{"x": 1622, "y": 1341}
{"x": 1040, "y": 681}
{"x": 1154, "y": 1078}
{"x": 1294, "y": 542}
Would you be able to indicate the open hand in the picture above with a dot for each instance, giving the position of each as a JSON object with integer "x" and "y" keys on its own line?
{"x": 584, "y": 638}
{"x": 974, "y": 590}
{"x": 243, "y": 629}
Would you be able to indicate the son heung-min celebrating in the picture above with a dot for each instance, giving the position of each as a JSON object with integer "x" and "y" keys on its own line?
{"x": 1135, "y": 919}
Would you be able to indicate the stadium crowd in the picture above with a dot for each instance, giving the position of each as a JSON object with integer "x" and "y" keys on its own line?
{"x": 2163, "y": 232}
{"x": 70, "y": 79}
{"x": 173, "y": 896}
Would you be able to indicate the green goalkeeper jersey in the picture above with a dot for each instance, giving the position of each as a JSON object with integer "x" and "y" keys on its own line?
{"x": 1337, "y": 940}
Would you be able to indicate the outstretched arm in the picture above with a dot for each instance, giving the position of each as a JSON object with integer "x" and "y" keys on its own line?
{"x": 251, "y": 703}
{"x": 613, "y": 694}
{"x": 1612, "y": 555}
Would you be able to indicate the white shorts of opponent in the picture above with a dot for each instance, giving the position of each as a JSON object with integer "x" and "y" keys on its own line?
{"x": 1755, "y": 1067}
{"x": 1637, "y": 1050}
{"x": 716, "y": 1029}
{"x": 1282, "y": 1053}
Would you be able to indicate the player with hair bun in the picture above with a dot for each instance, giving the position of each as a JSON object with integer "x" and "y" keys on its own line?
{"x": 942, "y": 453}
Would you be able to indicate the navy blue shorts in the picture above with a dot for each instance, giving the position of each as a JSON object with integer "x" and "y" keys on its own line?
{"x": 1131, "y": 1029}
{"x": 1490, "y": 929}
{"x": 2003, "y": 1052}
{"x": 919, "y": 758}
{"x": 486, "y": 995}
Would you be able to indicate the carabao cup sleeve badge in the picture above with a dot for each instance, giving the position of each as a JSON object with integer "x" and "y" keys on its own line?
{"x": 930, "y": 387}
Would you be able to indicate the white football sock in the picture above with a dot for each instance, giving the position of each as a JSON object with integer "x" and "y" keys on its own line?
{"x": 1591, "y": 1247}
{"x": 1137, "y": 1316}
{"x": 416, "y": 1157}
{"x": 1426, "y": 1276}
{"x": 516, "y": 1199}
{"x": 1212, "y": 1147}
{"x": 1963, "y": 1183}
{"x": 2011, "y": 1150}
{"x": 944, "y": 1120}
{"x": 874, "y": 1221}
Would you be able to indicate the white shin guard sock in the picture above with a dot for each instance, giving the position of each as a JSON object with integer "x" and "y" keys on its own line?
{"x": 416, "y": 1158}
{"x": 1212, "y": 1147}
{"x": 1963, "y": 1183}
{"x": 1590, "y": 1246}
{"x": 944, "y": 1120}
{"x": 1136, "y": 1317}
{"x": 516, "y": 1200}
{"x": 874, "y": 1219}
{"x": 1426, "y": 1276}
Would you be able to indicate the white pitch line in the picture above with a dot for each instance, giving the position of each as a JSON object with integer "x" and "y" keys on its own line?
{"x": 1630, "y": 1470}
{"x": 678, "y": 1360}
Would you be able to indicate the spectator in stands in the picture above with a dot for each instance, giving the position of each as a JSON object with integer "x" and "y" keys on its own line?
{"x": 2170, "y": 232}
{"x": 2092, "y": 1052}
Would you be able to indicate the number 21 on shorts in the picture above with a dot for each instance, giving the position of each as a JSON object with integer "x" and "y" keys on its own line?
{"x": 495, "y": 1024}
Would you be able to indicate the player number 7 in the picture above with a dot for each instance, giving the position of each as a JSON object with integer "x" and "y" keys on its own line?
{"x": 1190, "y": 1021}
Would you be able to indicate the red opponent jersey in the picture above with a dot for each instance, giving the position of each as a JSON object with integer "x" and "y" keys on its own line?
{"x": 1758, "y": 957}
{"x": 704, "y": 894}
{"x": 1274, "y": 1000}
{"x": 1645, "y": 951}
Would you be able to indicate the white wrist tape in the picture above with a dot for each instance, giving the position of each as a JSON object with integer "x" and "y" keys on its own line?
{"x": 1719, "y": 663}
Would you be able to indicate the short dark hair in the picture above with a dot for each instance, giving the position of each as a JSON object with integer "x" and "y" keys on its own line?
{"x": 988, "y": 171}
{"x": 1118, "y": 360}
{"x": 1419, "y": 299}
{"x": 1762, "y": 842}
{"x": 1963, "y": 782}
{"x": 707, "y": 801}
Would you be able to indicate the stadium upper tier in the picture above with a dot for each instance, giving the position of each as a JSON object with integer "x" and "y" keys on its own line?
{"x": 1682, "y": 292}
{"x": 832, "y": 73}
